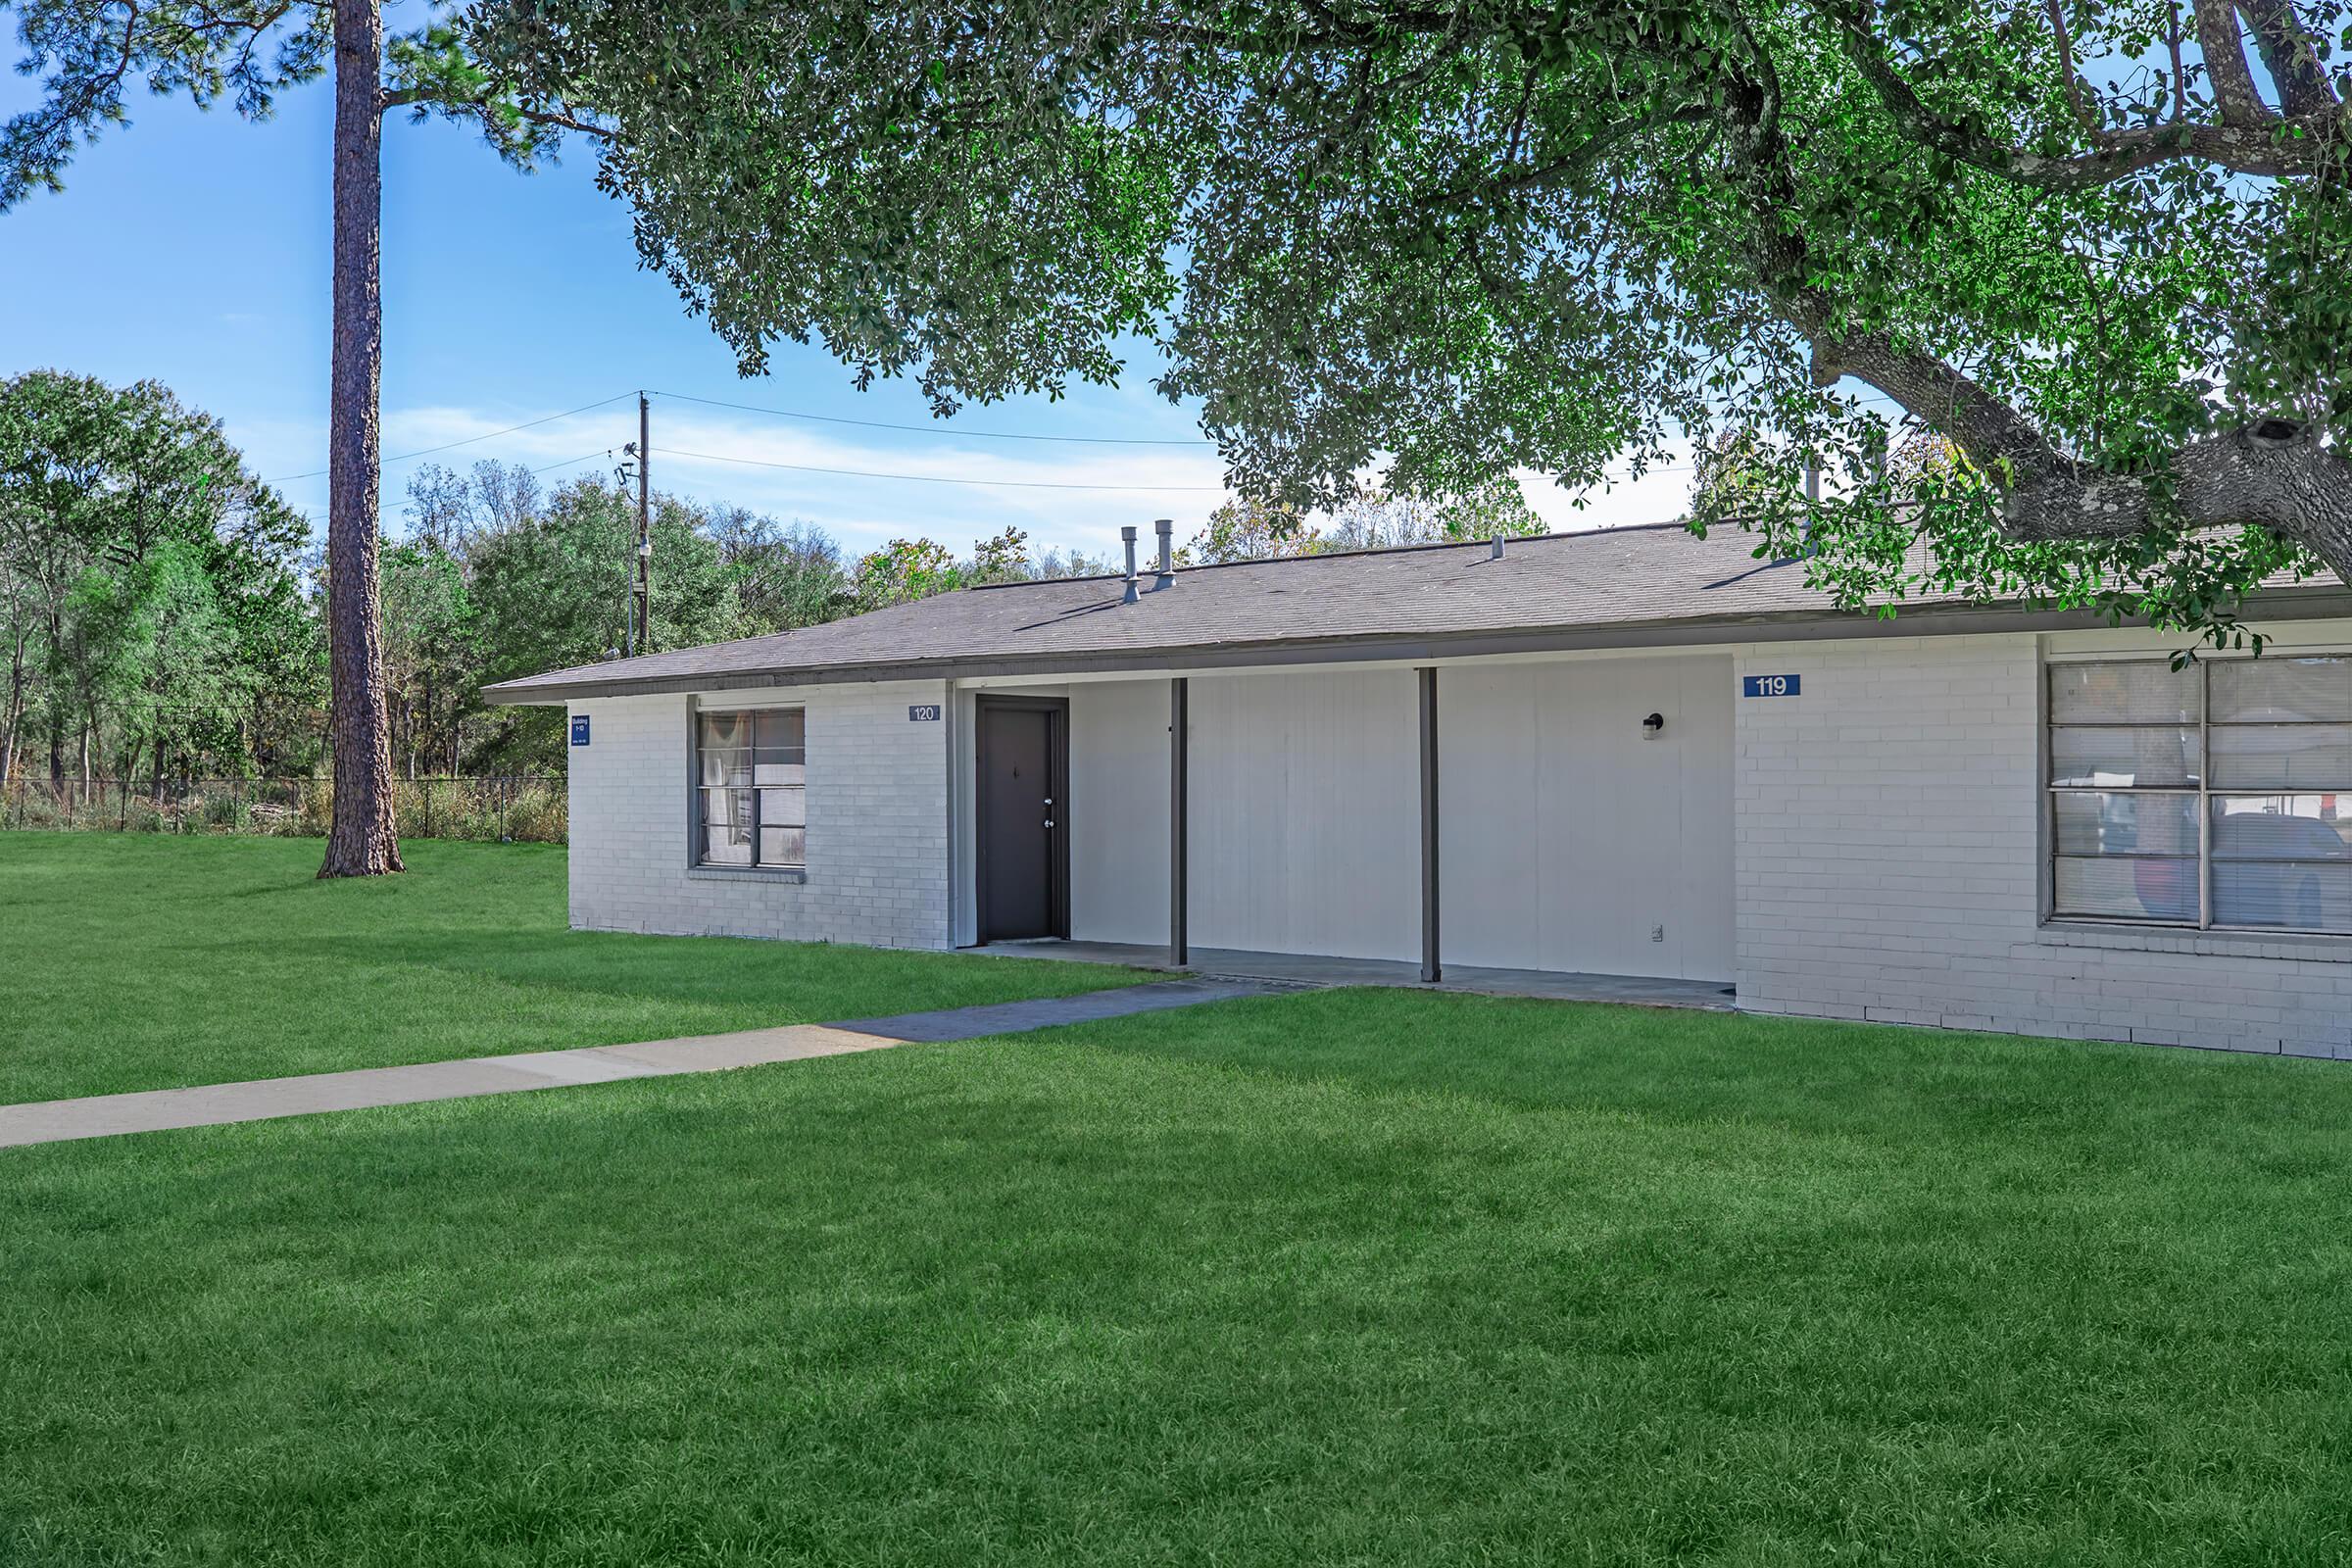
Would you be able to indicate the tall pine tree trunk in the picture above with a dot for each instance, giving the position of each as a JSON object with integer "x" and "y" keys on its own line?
{"x": 359, "y": 842}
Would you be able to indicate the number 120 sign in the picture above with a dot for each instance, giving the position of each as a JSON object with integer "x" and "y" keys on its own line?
{"x": 1768, "y": 685}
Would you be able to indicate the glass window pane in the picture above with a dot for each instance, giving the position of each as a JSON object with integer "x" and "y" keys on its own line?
{"x": 2276, "y": 689}
{"x": 783, "y": 808}
{"x": 2127, "y": 824}
{"x": 772, "y": 768}
{"x": 2120, "y": 758}
{"x": 2140, "y": 692}
{"x": 782, "y": 728}
{"x": 2283, "y": 827}
{"x": 2133, "y": 889}
{"x": 726, "y": 729}
{"x": 726, "y": 768}
{"x": 2298, "y": 895}
{"x": 2286, "y": 755}
{"x": 723, "y": 806}
{"x": 726, "y": 827}
{"x": 783, "y": 846}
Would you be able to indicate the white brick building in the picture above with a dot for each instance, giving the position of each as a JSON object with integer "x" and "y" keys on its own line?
{"x": 1626, "y": 754}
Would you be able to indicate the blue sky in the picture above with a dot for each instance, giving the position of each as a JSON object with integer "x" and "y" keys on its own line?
{"x": 192, "y": 247}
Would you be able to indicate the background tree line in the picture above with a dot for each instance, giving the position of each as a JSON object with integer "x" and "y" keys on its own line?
{"x": 162, "y": 611}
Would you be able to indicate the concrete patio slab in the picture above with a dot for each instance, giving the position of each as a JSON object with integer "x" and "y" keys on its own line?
{"x": 1307, "y": 969}
{"x": 266, "y": 1098}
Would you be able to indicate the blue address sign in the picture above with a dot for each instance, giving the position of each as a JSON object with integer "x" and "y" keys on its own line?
{"x": 922, "y": 713}
{"x": 579, "y": 729}
{"x": 1769, "y": 685}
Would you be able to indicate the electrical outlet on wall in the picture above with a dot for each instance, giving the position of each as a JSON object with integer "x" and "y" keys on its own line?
{"x": 1657, "y": 933}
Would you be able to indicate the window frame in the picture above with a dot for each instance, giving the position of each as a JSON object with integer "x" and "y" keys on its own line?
{"x": 698, "y": 827}
{"x": 2204, "y": 793}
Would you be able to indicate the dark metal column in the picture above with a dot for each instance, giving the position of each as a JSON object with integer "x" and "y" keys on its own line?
{"x": 1179, "y": 807}
{"x": 1431, "y": 970}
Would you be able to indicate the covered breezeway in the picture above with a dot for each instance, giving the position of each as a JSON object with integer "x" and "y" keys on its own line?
{"x": 1554, "y": 825}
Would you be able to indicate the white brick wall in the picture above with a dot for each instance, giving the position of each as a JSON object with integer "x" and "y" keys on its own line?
{"x": 1889, "y": 869}
{"x": 878, "y": 823}
{"x": 1888, "y": 854}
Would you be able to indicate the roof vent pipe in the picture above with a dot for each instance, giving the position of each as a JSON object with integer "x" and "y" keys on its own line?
{"x": 1166, "y": 527}
{"x": 1496, "y": 542}
{"x": 1127, "y": 537}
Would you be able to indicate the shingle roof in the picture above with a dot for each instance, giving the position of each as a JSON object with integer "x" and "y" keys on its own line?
{"x": 1622, "y": 577}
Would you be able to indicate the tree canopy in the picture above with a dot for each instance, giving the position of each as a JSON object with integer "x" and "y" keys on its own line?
{"x": 2104, "y": 247}
{"x": 162, "y": 613}
{"x": 149, "y": 588}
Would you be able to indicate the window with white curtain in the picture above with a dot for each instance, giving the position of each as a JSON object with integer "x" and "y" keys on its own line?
{"x": 752, "y": 795}
{"x": 2218, "y": 795}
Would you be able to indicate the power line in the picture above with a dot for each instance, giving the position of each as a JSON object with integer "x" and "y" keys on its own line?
{"x": 936, "y": 478}
{"x": 934, "y": 429}
{"x": 487, "y": 435}
{"x": 605, "y": 452}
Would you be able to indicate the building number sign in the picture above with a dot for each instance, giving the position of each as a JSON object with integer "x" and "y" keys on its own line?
{"x": 1768, "y": 685}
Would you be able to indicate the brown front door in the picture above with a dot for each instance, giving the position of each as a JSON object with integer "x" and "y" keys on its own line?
{"x": 1023, "y": 848}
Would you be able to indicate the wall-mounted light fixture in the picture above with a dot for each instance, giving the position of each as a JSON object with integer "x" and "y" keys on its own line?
{"x": 1652, "y": 727}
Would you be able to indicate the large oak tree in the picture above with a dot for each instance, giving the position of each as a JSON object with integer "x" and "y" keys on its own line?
{"x": 90, "y": 53}
{"x": 2101, "y": 247}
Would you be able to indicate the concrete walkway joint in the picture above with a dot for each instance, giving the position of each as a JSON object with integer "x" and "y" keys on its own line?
{"x": 51, "y": 1121}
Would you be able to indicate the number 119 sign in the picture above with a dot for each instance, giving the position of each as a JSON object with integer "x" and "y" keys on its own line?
{"x": 1768, "y": 685}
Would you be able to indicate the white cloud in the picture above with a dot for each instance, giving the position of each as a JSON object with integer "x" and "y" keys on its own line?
{"x": 1661, "y": 494}
{"x": 716, "y": 456}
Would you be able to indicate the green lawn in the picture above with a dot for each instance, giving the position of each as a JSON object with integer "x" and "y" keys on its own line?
{"x": 135, "y": 961}
{"x": 1350, "y": 1277}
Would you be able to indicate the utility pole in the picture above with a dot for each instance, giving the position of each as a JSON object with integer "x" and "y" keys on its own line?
{"x": 628, "y": 568}
{"x": 642, "y": 620}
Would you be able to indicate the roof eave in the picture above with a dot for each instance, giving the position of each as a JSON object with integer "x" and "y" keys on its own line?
{"x": 1944, "y": 619}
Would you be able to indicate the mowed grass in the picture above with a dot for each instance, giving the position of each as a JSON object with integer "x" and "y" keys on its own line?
{"x": 134, "y": 961}
{"x": 1352, "y": 1277}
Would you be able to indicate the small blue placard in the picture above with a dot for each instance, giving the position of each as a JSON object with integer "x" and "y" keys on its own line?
{"x": 1769, "y": 685}
{"x": 579, "y": 729}
{"x": 922, "y": 713}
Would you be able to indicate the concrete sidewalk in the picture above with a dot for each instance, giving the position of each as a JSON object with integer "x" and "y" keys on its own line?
{"x": 265, "y": 1099}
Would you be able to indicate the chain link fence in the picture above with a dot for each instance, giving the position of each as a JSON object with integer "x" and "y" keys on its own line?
{"x": 526, "y": 809}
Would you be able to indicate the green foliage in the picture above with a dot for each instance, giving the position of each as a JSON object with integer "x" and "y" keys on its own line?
{"x": 784, "y": 576}
{"x": 432, "y": 644}
{"x": 552, "y": 591}
{"x": 1452, "y": 244}
{"x": 1003, "y": 559}
{"x": 153, "y": 602}
{"x": 245, "y": 53}
{"x": 1370, "y": 517}
{"x": 150, "y": 591}
{"x": 498, "y": 580}
{"x": 903, "y": 570}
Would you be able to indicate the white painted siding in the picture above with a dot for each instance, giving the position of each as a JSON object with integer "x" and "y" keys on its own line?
{"x": 1890, "y": 868}
{"x": 1567, "y": 838}
{"x": 1305, "y": 814}
{"x": 1118, "y": 811}
{"x": 878, "y": 823}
